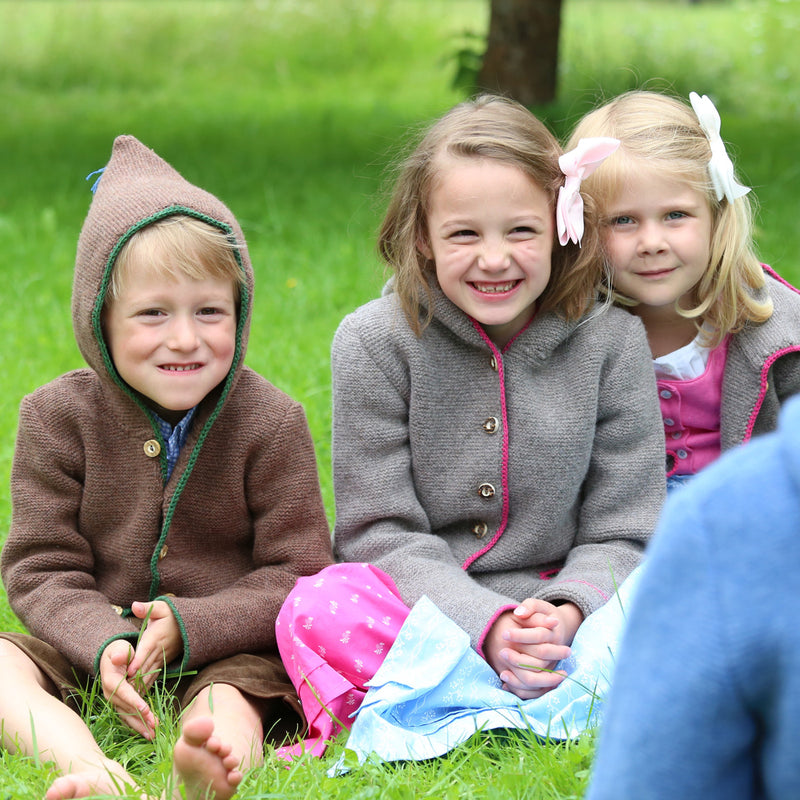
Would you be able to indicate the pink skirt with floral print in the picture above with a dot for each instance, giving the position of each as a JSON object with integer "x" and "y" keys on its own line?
{"x": 333, "y": 632}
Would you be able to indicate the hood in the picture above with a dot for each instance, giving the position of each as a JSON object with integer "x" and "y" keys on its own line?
{"x": 138, "y": 187}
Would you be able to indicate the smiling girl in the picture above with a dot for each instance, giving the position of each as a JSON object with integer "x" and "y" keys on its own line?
{"x": 724, "y": 329}
{"x": 496, "y": 439}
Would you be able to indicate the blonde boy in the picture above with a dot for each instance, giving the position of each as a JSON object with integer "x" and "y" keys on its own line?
{"x": 164, "y": 500}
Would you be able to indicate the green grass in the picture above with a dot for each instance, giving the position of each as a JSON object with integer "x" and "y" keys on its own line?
{"x": 512, "y": 766}
{"x": 290, "y": 112}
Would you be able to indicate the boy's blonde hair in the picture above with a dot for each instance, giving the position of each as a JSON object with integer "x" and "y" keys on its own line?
{"x": 488, "y": 127}
{"x": 178, "y": 245}
{"x": 662, "y": 133}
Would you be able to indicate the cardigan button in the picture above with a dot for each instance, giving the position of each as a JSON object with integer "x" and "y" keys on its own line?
{"x": 666, "y": 394}
{"x": 480, "y": 529}
{"x": 163, "y": 552}
{"x": 486, "y": 491}
{"x": 493, "y": 363}
{"x": 118, "y": 609}
{"x": 152, "y": 448}
{"x": 491, "y": 425}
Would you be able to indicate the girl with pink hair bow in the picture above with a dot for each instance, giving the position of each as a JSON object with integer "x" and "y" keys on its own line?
{"x": 677, "y": 238}
{"x": 496, "y": 442}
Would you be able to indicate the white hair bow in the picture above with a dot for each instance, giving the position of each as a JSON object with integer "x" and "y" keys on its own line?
{"x": 720, "y": 168}
{"x": 576, "y": 165}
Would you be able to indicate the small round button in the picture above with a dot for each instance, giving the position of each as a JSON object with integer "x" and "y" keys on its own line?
{"x": 118, "y": 609}
{"x": 682, "y": 454}
{"x": 152, "y": 448}
{"x": 480, "y": 529}
{"x": 491, "y": 425}
{"x": 163, "y": 552}
{"x": 493, "y": 363}
{"x": 666, "y": 394}
{"x": 486, "y": 490}
{"x": 669, "y": 422}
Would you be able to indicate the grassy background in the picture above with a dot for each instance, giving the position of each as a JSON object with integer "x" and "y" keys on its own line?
{"x": 290, "y": 112}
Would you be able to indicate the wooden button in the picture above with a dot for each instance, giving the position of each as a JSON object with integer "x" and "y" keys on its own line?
{"x": 152, "y": 448}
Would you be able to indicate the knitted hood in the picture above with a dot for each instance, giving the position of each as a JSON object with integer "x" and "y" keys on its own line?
{"x": 138, "y": 187}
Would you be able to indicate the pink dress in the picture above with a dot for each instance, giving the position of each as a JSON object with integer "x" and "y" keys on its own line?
{"x": 322, "y": 616}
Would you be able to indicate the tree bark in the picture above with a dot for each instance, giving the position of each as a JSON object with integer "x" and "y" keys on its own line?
{"x": 521, "y": 58}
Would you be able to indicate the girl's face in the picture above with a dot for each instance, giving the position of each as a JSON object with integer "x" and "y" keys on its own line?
{"x": 490, "y": 234}
{"x": 657, "y": 238}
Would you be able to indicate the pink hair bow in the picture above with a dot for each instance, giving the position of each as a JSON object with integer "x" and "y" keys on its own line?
{"x": 576, "y": 165}
{"x": 720, "y": 168}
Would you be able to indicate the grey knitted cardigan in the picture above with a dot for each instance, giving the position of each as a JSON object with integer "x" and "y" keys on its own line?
{"x": 763, "y": 367}
{"x": 480, "y": 478}
{"x": 96, "y": 525}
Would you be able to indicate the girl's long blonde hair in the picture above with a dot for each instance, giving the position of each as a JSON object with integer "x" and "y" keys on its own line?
{"x": 664, "y": 134}
{"x": 488, "y": 127}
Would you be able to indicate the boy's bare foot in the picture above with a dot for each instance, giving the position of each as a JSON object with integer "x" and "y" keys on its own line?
{"x": 88, "y": 784}
{"x": 207, "y": 766}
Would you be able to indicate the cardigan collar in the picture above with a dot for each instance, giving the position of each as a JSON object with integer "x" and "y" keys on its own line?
{"x": 538, "y": 340}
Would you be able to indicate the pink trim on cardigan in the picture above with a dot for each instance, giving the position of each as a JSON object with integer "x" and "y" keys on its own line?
{"x": 763, "y": 388}
{"x": 599, "y": 591}
{"x": 769, "y": 362}
{"x": 488, "y": 627}
{"x": 516, "y": 335}
{"x": 771, "y": 272}
{"x": 504, "y": 480}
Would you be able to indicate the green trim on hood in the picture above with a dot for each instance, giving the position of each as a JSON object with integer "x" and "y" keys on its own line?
{"x": 97, "y": 327}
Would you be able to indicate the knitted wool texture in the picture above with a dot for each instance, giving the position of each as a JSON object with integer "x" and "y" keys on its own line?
{"x": 137, "y": 187}
{"x": 96, "y": 525}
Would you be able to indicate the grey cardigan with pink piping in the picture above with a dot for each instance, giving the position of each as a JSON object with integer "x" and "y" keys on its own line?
{"x": 763, "y": 368}
{"x": 480, "y": 478}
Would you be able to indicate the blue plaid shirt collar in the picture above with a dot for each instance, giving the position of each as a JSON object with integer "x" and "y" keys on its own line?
{"x": 175, "y": 437}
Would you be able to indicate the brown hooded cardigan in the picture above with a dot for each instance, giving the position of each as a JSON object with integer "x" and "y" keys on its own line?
{"x": 96, "y": 527}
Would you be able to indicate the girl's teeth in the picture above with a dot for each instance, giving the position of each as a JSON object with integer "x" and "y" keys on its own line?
{"x": 493, "y": 288}
{"x": 181, "y": 368}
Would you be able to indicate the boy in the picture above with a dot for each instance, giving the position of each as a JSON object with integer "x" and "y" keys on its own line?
{"x": 164, "y": 501}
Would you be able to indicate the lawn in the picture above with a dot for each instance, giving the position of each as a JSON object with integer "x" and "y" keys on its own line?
{"x": 292, "y": 111}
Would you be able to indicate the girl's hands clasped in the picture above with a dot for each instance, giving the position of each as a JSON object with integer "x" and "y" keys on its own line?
{"x": 524, "y": 645}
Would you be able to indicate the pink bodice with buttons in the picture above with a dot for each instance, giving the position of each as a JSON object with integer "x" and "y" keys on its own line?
{"x": 691, "y": 413}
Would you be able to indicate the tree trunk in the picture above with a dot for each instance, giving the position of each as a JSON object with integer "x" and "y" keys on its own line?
{"x": 521, "y": 58}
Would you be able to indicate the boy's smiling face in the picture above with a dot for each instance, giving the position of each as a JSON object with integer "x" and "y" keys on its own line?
{"x": 172, "y": 339}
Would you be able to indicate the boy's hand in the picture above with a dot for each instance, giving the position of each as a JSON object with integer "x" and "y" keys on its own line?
{"x": 128, "y": 703}
{"x": 159, "y": 643}
{"x": 532, "y": 638}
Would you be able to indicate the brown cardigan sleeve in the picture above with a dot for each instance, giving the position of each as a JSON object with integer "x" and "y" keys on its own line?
{"x": 47, "y": 564}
